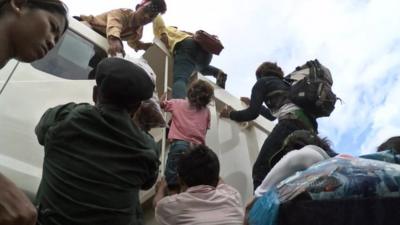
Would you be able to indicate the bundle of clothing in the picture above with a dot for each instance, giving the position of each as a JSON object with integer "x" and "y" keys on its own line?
{"x": 340, "y": 190}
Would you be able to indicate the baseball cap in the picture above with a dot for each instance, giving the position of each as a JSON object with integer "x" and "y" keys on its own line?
{"x": 122, "y": 82}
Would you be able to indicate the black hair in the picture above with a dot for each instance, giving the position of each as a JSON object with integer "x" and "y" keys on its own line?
{"x": 269, "y": 69}
{"x": 300, "y": 138}
{"x": 200, "y": 94}
{"x": 199, "y": 166}
{"x": 158, "y": 6}
{"x": 392, "y": 143}
{"x": 53, "y": 6}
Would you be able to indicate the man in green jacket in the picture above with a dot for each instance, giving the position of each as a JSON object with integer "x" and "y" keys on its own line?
{"x": 96, "y": 159}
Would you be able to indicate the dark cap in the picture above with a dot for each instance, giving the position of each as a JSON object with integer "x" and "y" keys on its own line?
{"x": 123, "y": 82}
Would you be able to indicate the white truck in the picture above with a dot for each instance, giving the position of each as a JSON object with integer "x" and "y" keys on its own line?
{"x": 28, "y": 89}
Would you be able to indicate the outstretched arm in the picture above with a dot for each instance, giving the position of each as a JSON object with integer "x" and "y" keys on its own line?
{"x": 161, "y": 190}
{"x": 257, "y": 97}
{"x": 264, "y": 111}
{"x": 113, "y": 31}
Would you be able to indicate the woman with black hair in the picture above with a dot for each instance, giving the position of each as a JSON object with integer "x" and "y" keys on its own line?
{"x": 28, "y": 30}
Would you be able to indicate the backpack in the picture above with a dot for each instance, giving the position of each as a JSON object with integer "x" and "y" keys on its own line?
{"x": 210, "y": 43}
{"x": 311, "y": 89}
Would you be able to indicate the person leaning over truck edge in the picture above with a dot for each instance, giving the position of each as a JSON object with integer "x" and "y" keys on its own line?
{"x": 188, "y": 57}
{"x": 125, "y": 25}
{"x": 28, "y": 30}
{"x": 96, "y": 158}
{"x": 272, "y": 90}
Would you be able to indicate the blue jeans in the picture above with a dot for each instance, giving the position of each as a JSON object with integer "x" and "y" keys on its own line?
{"x": 188, "y": 57}
{"x": 177, "y": 148}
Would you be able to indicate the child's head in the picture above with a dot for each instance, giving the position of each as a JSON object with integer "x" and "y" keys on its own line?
{"x": 198, "y": 166}
{"x": 200, "y": 93}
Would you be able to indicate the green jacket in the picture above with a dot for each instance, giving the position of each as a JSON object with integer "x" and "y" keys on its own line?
{"x": 96, "y": 161}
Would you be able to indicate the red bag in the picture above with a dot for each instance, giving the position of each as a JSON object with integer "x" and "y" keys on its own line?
{"x": 210, "y": 43}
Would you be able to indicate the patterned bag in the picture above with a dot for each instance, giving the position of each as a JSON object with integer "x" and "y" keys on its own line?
{"x": 341, "y": 178}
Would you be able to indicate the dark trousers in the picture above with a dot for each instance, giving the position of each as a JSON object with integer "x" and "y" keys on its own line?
{"x": 189, "y": 57}
{"x": 271, "y": 145}
{"x": 178, "y": 147}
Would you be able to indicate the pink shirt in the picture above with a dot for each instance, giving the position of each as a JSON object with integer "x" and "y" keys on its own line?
{"x": 188, "y": 123}
{"x": 202, "y": 204}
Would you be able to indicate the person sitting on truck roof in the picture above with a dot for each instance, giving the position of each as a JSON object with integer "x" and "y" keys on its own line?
{"x": 206, "y": 200}
{"x": 125, "y": 25}
{"x": 96, "y": 158}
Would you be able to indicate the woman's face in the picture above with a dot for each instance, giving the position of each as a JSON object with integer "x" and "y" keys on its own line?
{"x": 35, "y": 33}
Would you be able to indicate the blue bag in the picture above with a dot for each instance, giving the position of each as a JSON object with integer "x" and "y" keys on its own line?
{"x": 265, "y": 209}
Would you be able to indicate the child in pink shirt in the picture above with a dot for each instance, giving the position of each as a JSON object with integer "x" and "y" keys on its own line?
{"x": 190, "y": 121}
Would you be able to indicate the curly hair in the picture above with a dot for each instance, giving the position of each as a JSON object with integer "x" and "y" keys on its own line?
{"x": 269, "y": 69}
{"x": 200, "y": 94}
{"x": 199, "y": 166}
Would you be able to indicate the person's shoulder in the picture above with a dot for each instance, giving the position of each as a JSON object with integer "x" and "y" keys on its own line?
{"x": 227, "y": 188}
{"x": 230, "y": 192}
{"x": 71, "y": 106}
{"x": 122, "y": 11}
{"x": 179, "y": 102}
{"x": 126, "y": 10}
{"x": 168, "y": 201}
{"x": 82, "y": 106}
{"x": 271, "y": 79}
{"x": 318, "y": 149}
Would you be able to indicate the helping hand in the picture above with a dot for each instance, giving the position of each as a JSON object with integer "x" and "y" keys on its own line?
{"x": 246, "y": 100}
{"x": 225, "y": 111}
{"x": 115, "y": 46}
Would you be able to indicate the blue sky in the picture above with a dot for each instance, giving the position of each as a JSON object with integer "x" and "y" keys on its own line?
{"x": 359, "y": 40}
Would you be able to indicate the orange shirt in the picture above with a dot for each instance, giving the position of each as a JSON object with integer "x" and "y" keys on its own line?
{"x": 116, "y": 23}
